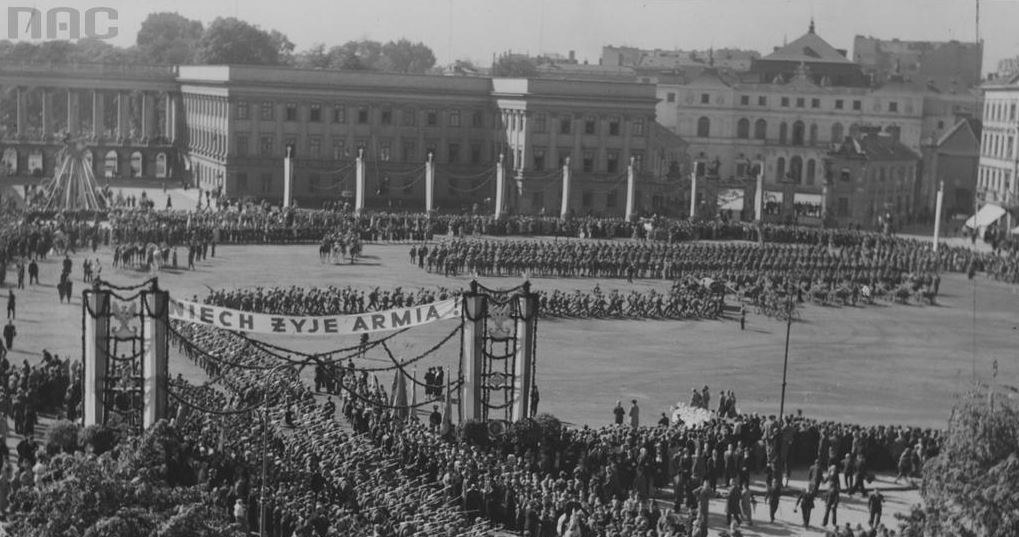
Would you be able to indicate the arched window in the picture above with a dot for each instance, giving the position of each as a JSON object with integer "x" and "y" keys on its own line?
{"x": 136, "y": 164}
{"x": 796, "y": 169}
{"x": 743, "y": 128}
{"x": 811, "y": 171}
{"x": 703, "y": 127}
{"x": 783, "y": 133}
{"x": 837, "y": 133}
{"x": 760, "y": 129}
{"x": 799, "y": 132}
{"x": 11, "y": 161}
{"x": 112, "y": 163}
{"x": 813, "y": 134}
{"x": 161, "y": 165}
{"x": 780, "y": 169}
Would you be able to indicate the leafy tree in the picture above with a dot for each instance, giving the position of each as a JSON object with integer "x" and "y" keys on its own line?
{"x": 98, "y": 438}
{"x": 168, "y": 38}
{"x": 405, "y": 57}
{"x": 62, "y": 436}
{"x": 970, "y": 489}
{"x": 316, "y": 57}
{"x": 514, "y": 66}
{"x": 233, "y": 41}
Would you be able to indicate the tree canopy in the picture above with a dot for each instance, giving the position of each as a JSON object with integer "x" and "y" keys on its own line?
{"x": 514, "y": 66}
{"x": 168, "y": 38}
{"x": 970, "y": 489}
{"x": 229, "y": 40}
{"x": 400, "y": 56}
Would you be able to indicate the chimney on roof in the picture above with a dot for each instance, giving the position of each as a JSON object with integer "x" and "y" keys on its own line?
{"x": 811, "y": 25}
{"x": 573, "y": 56}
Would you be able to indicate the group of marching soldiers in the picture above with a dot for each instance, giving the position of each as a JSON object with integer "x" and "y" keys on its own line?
{"x": 685, "y": 300}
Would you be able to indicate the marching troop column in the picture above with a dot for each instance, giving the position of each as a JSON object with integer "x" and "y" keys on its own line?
{"x": 630, "y": 187}
{"x": 500, "y": 186}
{"x": 359, "y": 183}
{"x": 565, "y": 208}
{"x": 430, "y": 184}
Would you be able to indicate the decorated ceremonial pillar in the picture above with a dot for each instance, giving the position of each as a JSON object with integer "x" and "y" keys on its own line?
{"x": 824, "y": 204}
{"x": 95, "y": 343}
{"x": 523, "y": 360}
{"x": 937, "y": 214}
{"x": 500, "y": 186}
{"x": 155, "y": 348}
{"x": 565, "y": 208}
{"x": 359, "y": 183}
{"x": 473, "y": 352}
{"x": 288, "y": 176}
{"x": 630, "y": 190}
{"x": 693, "y": 193}
{"x": 430, "y": 184}
{"x": 759, "y": 196}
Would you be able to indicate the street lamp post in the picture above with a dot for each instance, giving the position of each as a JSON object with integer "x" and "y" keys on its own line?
{"x": 265, "y": 451}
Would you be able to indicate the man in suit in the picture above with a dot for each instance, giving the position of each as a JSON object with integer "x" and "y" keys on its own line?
{"x": 9, "y": 333}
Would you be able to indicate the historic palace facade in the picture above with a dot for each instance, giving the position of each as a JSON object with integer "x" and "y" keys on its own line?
{"x": 228, "y": 128}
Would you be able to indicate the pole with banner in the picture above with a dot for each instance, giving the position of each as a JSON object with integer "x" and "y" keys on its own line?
{"x": 937, "y": 214}
{"x": 693, "y": 193}
{"x": 359, "y": 183}
{"x": 630, "y": 187}
{"x": 565, "y": 208}
{"x": 500, "y": 186}
{"x": 288, "y": 176}
{"x": 430, "y": 184}
{"x": 759, "y": 195}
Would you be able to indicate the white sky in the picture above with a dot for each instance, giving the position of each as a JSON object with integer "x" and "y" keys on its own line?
{"x": 475, "y": 29}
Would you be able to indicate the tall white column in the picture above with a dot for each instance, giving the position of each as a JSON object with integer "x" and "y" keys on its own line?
{"x": 430, "y": 184}
{"x": 693, "y": 193}
{"x": 937, "y": 214}
{"x": 154, "y": 356}
{"x": 630, "y": 190}
{"x": 95, "y": 341}
{"x": 565, "y": 208}
{"x": 759, "y": 195}
{"x": 500, "y": 186}
{"x": 288, "y": 177}
{"x": 472, "y": 355}
{"x": 359, "y": 183}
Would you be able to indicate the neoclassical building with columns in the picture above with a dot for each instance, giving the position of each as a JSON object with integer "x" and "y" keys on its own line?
{"x": 228, "y": 128}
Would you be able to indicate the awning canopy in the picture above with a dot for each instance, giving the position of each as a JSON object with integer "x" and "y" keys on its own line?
{"x": 987, "y": 215}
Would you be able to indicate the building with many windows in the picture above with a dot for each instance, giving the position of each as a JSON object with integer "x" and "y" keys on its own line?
{"x": 999, "y": 144}
{"x": 240, "y": 119}
{"x": 947, "y": 65}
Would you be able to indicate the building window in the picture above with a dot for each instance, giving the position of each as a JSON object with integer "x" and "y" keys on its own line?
{"x": 941, "y": 124}
{"x": 564, "y": 155}
{"x": 893, "y": 106}
{"x": 339, "y": 114}
{"x": 564, "y": 125}
{"x": 670, "y": 97}
{"x": 762, "y": 101}
{"x": 385, "y": 150}
{"x": 785, "y": 101}
{"x": 839, "y": 104}
{"x": 475, "y": 153}
{"x": 265, "y": 112}
{"x": 845, "y": 176}
{"x": 1011, "y": 112}
{"x": 614, "y": 126}
{"x": 453, "y": 155}
{"x": 243, "y": 111}
{"x": 783, "y": 133}
{"x": 815, "y": 103}
{"x": 431, "y": 118}
{"x": 265, "y": 144}
{"x": 588, "y": 164}
{"x": 454, "y": 118}
{"x": 703, "y": 127}
{"x": 857, "y": 105}
{"x": 705, "y": 98}
{"x": 339, "y": 148}
{"x": 743, "y": 128}
{"x": 843, "y": 207}
{"x": 798, "y": 133}
{"x": 836, "y": 133}
{"x": 638, "y": 160}
{"x": 638, "y": 127}
{"x": 760, "y": 129}
{"x": 780, "y": 169}
{"x": 315, "y": 146}
{"x": 796, "y": 169}
{"x": 590, "y": 125}
{"x": 539, "y": 159}
{"x": 800, "y": 102}
{"x": 477, "y": 119}
{"x": 315, "y": 113}
{"x": 539, "y": 123}
{"x": 409, "y": 116}
{"x": 410, "y": 151}
{"x": 586, "y": 199}
{"x": 242, "y": 145}
{"x": 386, "y": 117}
{"x": 744, "y": 100}
{"x": 266, "y": 182}
{"x": 362, "y": 115}
{"x": 291, "y": 112}
{"x": 610, "y": 200}
{"x": 612, "y": 161}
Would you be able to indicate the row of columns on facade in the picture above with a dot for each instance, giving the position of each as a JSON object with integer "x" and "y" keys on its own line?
{"x": 210, "y": 123}
{"x": 123, "y": 124}
{"x": 500, "y": 185}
